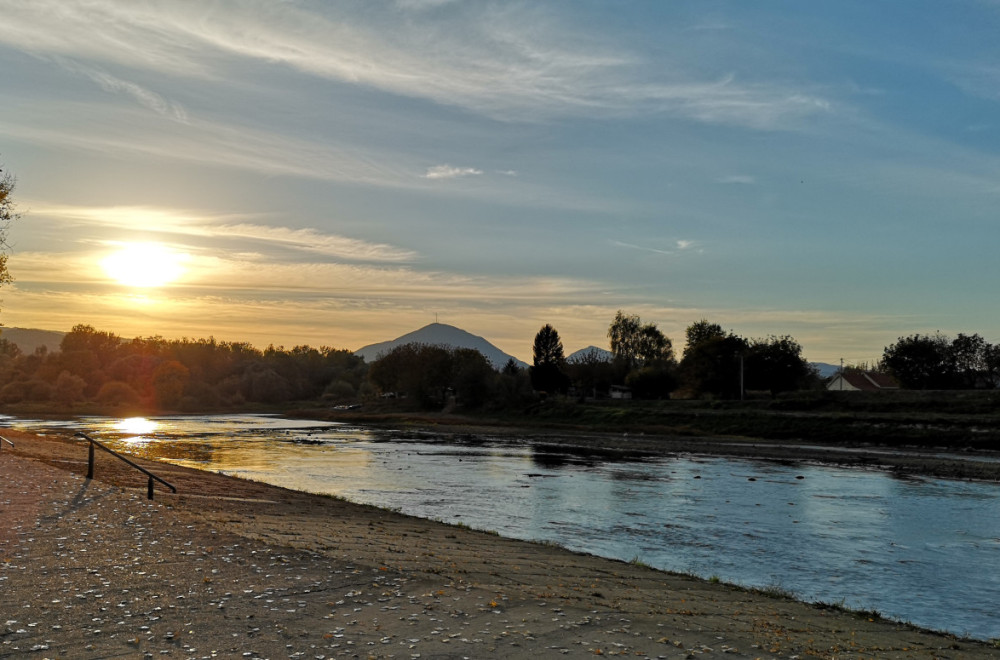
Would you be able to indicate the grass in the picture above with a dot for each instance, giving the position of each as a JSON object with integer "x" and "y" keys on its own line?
{"x": 840, "y": 606}
{"x": 775, "y": 590}
{"x": 968, "y": 418}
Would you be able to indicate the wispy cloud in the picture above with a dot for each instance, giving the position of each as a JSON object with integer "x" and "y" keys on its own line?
{"x": 424, "y": 4}
{"x": 679, "y": 246}
{"x": 175, "y": 223}
{"x": 449, "y": 172}
{"x": 261, "y": 276}
{"x": 311, "y": 240}
{"x": 743, "y": 179}
{"x": 209, "y": 142}
{"x": 481, "y": 58}
{"x": 143, "y": 96}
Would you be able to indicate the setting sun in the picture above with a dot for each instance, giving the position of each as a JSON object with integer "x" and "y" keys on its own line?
{"x": 144, "y": 265}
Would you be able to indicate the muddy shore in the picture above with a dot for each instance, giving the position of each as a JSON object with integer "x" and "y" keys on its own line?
{"x": 949, "y": 462}
{"x": 230, "y": 568}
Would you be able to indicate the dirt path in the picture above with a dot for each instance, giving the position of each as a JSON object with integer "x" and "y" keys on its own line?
{"x": 230, "y": 568}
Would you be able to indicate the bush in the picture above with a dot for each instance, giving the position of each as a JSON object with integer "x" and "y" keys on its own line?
{"x": 37, "y": 390}
{"x": 12, "y": 392}
{"x": 69, "y": 388}
{"x": 117, "y": 393}
{"x": 339, "y": 390}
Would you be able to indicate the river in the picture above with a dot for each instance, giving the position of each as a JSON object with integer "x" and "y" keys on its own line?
{"x": 916, "y": 549}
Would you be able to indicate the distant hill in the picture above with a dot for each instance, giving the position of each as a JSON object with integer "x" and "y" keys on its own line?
{"x": 599, "y": 353}
{"x": 440, "y": 334}
{"x": 825, "y": 370}
{"x": 28, "y": 339}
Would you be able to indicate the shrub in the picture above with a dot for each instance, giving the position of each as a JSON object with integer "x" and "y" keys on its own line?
{"x": 339, "y": 390}
{"x": 117, "y": 393}
{"x": 69, "y": 388}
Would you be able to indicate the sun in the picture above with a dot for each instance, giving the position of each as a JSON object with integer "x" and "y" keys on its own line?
{"x": 144, "y": 265}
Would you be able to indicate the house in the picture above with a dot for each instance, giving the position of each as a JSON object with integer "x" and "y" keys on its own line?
{"x": 621, "y": 392}
{"x": 864, "y": 381}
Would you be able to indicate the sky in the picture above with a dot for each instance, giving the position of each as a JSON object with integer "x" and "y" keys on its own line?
{"x": 341, "y": 173}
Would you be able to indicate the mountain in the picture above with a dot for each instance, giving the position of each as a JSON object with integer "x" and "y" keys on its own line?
{"x": 28, "y": 339}
{"x": 440, "y": 334}
{"x": 584, "y": 353}
{"x": 825, "y": 370}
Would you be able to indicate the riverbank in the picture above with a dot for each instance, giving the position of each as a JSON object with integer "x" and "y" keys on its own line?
{"x": 92, "y": 569}
{"x": 886, "y": 444}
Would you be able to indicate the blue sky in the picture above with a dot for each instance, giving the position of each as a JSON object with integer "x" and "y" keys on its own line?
{"x": 340, "y": 173}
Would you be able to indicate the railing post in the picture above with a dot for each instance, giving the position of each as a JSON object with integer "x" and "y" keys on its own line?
{"x": 90, "y": 465}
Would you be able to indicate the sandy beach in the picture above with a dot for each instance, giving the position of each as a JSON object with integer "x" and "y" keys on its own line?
{"x": 230, "y": 568}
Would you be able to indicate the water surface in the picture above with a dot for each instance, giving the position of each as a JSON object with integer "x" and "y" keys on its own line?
{"x": 918, "y": 549}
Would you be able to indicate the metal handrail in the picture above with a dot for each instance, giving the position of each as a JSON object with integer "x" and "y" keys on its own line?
{"x": 3, "y": 440}
{"x": 90, "y": 465}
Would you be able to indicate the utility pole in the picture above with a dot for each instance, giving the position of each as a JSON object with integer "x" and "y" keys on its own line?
{"x": 741, "y": 376}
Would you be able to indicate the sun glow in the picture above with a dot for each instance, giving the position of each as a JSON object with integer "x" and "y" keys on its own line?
{"x": 136, "y": 425}
{"x": 144, "y": 265}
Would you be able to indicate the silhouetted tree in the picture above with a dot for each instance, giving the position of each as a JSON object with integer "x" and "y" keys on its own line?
{"x": 776, "y": 364}
{"x": 513, "y": 385}
{"x": 642, "y": 355}
{"x": 937, "y": 362}
{"x": 117, "y": 393}
{"x": 473, "y": 378}
{"x": 701, "y": 331}
{"x": 7, "y": 216}
{"x": 591, "y": 373}
{"x": 634, "y": 344}
{"x": 429, "y": 374}
{"x": 711, "y": 365}
{"x": 547, "y": 373}
{"x": 169, "y": 380}
{"x": 69, "y": 388}
{"x": 920, "y": 362}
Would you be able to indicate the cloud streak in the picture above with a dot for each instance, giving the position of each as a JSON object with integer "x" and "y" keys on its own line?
{"x": 481, "y": 58}
{"x": 679, "y": 246}
{"x": 449, "y": 172}
{"x": 222, "y": 228}
{"x": 141, "y": 95}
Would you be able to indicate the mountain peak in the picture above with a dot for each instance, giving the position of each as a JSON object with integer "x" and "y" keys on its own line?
{"x": 440, "y": 334}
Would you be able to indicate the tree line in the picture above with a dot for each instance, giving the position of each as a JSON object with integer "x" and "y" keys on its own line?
{"x": 715, "y": 364}
{"x": 939, "y": 362}
{"x": 184, "y": 374}
{"x": 153, "y": 373}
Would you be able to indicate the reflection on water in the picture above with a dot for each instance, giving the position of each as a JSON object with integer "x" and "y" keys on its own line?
{"x": 923, "y": 550}
{"x": 136, "y": 426}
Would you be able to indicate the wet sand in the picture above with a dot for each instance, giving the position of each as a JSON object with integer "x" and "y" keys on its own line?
{"x": 230, "y": 568}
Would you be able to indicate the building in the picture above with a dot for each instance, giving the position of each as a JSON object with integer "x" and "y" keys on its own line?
{"x": 862, "y": 381}
{"x": 621, "y": 392}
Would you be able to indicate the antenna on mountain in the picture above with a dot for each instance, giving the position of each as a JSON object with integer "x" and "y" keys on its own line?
{"x": 435, "y": 317}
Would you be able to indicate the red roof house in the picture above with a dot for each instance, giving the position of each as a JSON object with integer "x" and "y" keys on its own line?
{"x": 865, "y": 381}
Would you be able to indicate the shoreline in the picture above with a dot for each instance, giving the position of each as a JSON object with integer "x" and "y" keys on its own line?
{"x": 905, "y": 460}
{"x": 548, "y": 597}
